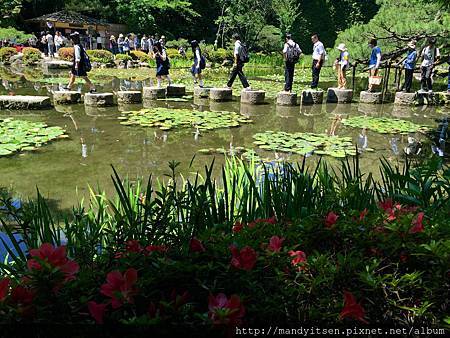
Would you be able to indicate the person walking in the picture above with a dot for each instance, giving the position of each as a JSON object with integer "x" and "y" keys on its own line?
{"x": 130, "y": 41}
{"x": 58, "y": 41}
{"x": 162, "y": 63}
{"x": 50, "y": 44}
{"x": 126, "y": 46}
{"x": 318, "y": 57}
{"x": 374, "y": 61}
{"x": 120, "y": 41}
{"x": 291, "y": 54}
{"x": 430, "y": 57}
{"x": 199, "y": 63}
{"x": 113, "y": 45}
{"x": 81, "y": 64}
{"x": 409, "y": 63}
{"x": 342, "y": 64}
{"x": 162, "y": 41}
{"x": 240, "y": 58}
{"x": 144, "y": 44}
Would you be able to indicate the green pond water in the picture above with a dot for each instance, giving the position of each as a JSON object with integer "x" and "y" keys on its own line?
{"x": 64, "y": 168}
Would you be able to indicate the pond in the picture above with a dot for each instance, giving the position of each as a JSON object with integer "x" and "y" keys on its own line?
{"x": 64, "y": 168}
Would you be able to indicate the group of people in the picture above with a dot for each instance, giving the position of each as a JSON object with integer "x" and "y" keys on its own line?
{"x": 123, "y": 44}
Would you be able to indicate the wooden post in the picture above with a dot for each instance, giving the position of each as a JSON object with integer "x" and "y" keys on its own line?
{"x": 353, "y": 76}
{"x": 386, "y": 84}
{"x": 399, "y": 78}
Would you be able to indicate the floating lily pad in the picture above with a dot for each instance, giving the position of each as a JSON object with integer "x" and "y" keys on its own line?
{"x": 384, "y": 125}
{"x": 166, "y": 119}
{"x": 18, "y": 135}
{"x": 305, "y": 143}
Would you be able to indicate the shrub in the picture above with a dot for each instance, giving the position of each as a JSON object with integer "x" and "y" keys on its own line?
{"x": 100, "y": 55}
{"x": 123, "y": 57}
{"x": 172, "y": 53}
{"x": 66, "y": 53}
{"x": 6, "y": 53}
{"x": 31, "y": 55}
{"x": 141, "y": 56}
{"x": 217, "y": 56}
{"x": 175, "y": 44}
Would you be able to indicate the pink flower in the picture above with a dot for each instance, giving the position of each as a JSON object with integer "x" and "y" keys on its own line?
{"x": 275, "y": 243}
{"x": 224, "y": 311}
{"x": 244, "y": 259}
{"x": 386, "y": 205}
{"x": 417, "y": 224}
{"x": 56, "y": 258}
{"x": 196, "y": 245}
{"x": 133, "y": 246}
{"x": 331, "y": 219}
{"x": 4, "y": 288}
{"x": 299, "y": 259}
{"x": 352, "y": 309}
{"x": 97, "y": 311}
{"x": 120, "y": 288}
{"x": 237, "y": 227}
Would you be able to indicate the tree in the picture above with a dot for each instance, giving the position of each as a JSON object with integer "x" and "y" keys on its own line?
{"x": 287, "y": 12}
{"x": 9, "y": 9}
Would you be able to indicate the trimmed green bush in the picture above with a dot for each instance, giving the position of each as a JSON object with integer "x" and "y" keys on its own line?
{"x": 100, "y": 55}
{"x": 141, "y": 56}
{"x": 6, "y": 53}
{"x": 123, "y": 57}
{"x": 31, "y": 55}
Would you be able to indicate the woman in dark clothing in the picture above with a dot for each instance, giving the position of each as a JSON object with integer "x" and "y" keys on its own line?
{"x": 79, "y": 64}
{"x": 199, "y": 61}
{"x": 162, "y": 63}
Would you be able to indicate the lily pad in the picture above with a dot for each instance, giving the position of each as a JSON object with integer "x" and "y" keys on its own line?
{"x": 384, "y": 125}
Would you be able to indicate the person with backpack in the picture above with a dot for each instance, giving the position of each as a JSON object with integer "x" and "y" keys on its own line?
{"x": 199, "y": 63}
{"x": 430, "y": 57}
{"x": 240, "y": 58}
{"x": 342, "y": 63}
{"x": 374, "y": 62}
{"x": 291, "y": 53}
{"x": 162, "y": 63}
{"x": 409, "y": 63}
{"x": 318, "y": 57}
{"x": 81, "y": 64}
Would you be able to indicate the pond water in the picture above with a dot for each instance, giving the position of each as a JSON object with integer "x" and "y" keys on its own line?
{"x": 63, "y": 169}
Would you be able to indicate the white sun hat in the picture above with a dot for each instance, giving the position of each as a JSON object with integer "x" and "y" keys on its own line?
{"x": 342, "y": 47}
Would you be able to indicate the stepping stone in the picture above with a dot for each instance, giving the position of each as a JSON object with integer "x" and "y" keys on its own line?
{"x": 66, "y": 97}
{"x": 154, "y": 93}
{"x": 253, "y": 96}
{"x": 312, "y": 97}
{"x": 99, "y": 99}
{"x": 24, "y": 102}
{"x": 406, "y": 99}
{"x": 221, "y": 94}
{"x": 201, "y": 92}
{"x": 57, "y": 64}
{"x": 176, "y": 90}
{"x": 371, "y": 97}
{"x": 286, "y": 99}
{"x": 126, "y": 97}
{"x": 430, "y": 99}
{"x": 336, "y": 95}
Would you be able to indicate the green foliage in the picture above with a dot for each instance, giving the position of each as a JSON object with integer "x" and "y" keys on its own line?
{"x": 123, "y": 57}
{"x": 141, "y": 56}
{"x": 9, "y": 9}
{"x": 270, "y": 40}
{"x": 6, "y": 53}
{"x": 100, "y": 55}
{"x": 11, "y": 33}
{"x": 287, "y": 12}
{"x": 178, "y": 43}
{"x": 31, "y": 55}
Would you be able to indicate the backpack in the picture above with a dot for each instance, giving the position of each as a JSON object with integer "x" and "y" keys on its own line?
{"x": 202, "y": 62}
{"x": 293, "y": 53}
{"x": 243, "y": 55}
{"x": 86, "y": 61}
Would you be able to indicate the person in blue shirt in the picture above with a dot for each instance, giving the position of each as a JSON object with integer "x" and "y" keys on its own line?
{"x": 409, "y": 63}
{"x": 374, "y": 61}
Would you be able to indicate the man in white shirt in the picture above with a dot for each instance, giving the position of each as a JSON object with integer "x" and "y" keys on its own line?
{"x": 430, "y": 57}
{"x": 50, "y": 44}
{"x": 291, "y": 53}
{"x": 238, "y": 64}
{"x": 318, "y": 57}
{"x": 58, "y": 41}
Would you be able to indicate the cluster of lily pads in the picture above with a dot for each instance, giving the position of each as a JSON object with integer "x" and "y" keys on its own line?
{"x": 384, "y": 125}
{"x": 305, "y": 143}
{"x": 18, "y": 135}
{"x": 166, "y": 119}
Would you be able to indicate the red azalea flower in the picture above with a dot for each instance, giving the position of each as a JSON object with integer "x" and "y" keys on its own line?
{"x": 363, "y": 214}
{"x": 56, "y": 258}
{"x": 386, "y": 205}
{"x": 22, "y": 296}
{"x": 417, "y": 224}
{"x": 299, "y": 259}
{"x": 403, "y": 257}
{"x": 158, "y": 248}
{"x": 352, "y": 309}
{"x": 331, "y": 219}
{"x": 133, "y": 246}
{"x": 237, "y": 227}
{"x": 179, "y": 300}
{"x": 271, "y": 220}
{"x": 4, "y": 288}
{"x": 196, "y": 245}
{"x": 97, "y": 311}
{"x": 275, "y": 243}
{"x": 224, "y": 311}
{"x": 244, "y": 259}
{"x": 120, "y": 288}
